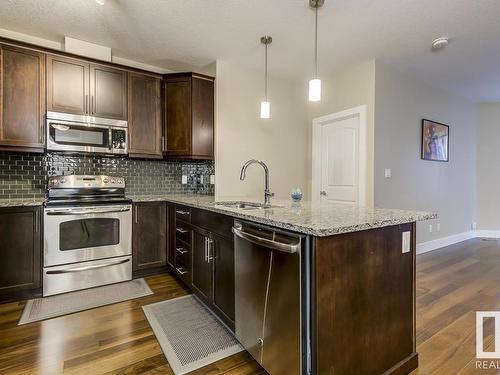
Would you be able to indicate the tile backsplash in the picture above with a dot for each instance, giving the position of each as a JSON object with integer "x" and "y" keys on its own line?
{"x": 25, "y": 175}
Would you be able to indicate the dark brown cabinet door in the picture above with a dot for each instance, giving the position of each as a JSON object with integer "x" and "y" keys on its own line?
{"x": 149, "y": 235}
{"x": 178, "y": 117}
{"x": 108, "y": 92}
{"x": 20, "y": 249}
{"x": 201, "y": 267}
{"x": 189, "y": 116}
{"x": 203, "y": 117}
{"x": 223, "y": 254}
{"x": 22, "y": 93}
{"x": 67, "y": 85}
{"x": 144, "y": 116}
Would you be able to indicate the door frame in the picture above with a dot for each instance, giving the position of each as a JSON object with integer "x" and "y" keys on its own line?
{"x": 361, "y": 112}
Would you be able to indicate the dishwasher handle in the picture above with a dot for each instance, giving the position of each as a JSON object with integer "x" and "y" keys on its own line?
{"x": 275, "y": 245}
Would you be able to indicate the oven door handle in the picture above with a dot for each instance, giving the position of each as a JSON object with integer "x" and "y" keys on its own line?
{"x": 86, "y": 212}
{"x": 86, "y": 268}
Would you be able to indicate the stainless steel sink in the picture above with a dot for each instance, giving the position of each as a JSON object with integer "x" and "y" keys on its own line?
{"x": 245, "y": 205}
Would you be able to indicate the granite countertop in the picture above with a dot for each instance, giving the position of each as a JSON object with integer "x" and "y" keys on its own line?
{"x": 305, "y": 217}
{"x": 19, "y": 202}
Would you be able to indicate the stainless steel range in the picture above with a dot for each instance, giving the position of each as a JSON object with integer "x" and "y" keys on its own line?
{"x": 87, "y": 233}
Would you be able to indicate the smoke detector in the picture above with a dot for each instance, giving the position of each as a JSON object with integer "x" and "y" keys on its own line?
{"x": 440, "y": 43}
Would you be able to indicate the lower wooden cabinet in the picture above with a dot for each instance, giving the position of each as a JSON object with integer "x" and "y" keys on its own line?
{"x": 223, "y": 279}
{"x": 149, "y": 235}
{"x": 201, "y": 264}
{"x": 20, "y": 250}
{"x": 213, "y": 262}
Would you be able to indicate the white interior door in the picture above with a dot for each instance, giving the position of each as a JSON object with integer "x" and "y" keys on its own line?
{"x": 339, "y": 152}
{"x": 340, "y": 160}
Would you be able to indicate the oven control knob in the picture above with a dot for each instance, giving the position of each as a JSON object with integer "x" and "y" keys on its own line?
{"x": 120, "y": 181}
{"x": 106, "y": 180}
{"x": 112, "y": 180}
{"x": 62, "y": 180}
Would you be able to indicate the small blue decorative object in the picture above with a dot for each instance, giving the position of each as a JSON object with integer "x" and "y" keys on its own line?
{"x": 297, "y": 195}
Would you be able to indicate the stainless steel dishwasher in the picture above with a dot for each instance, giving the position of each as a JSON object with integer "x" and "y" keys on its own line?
{"x": 268, "y": 296}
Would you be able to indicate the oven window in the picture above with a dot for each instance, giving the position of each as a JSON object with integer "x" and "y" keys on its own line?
{"x": 83, "y": 233}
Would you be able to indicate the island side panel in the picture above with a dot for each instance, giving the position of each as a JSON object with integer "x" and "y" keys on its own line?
{"x": 364, "y": 303}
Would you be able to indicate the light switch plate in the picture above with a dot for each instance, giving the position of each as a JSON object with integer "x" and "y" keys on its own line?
{"x": 184, "y": 179}
{"x": 406, "y": 242}
{"x": 388, "y": 173}
{"x": 212, "y": 179}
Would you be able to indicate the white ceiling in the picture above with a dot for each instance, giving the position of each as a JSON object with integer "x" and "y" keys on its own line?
{"x": 182, "y": 34}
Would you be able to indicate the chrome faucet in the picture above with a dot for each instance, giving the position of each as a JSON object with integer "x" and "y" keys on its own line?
{"x": 267, "y": 192}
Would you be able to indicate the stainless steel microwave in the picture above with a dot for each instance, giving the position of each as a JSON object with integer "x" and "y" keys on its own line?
{"x": 77, "y": 133}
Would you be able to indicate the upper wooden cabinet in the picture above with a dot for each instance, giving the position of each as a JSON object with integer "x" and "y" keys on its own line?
{"x": 67, "y": 85}
{"x": 144, "y": 116}
{"x": 108, "y": 92}
{"x": 189, "y": 116}
{"x": 78, "y": 87}
{"x": 22, "y": 94}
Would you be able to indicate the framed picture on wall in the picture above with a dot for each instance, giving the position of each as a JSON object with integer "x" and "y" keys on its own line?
{"x": 435, "y": 141}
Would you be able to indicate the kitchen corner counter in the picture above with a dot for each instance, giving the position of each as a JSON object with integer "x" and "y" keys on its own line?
{"x": 305, "y": 217}
{"x": 21, "y": 202}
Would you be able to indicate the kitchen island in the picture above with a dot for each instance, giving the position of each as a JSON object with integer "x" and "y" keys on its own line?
{"x": 357, "y": 276}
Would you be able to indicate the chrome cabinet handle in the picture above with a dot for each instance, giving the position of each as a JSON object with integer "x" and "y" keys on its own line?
{"x": 37, "y": 222}
{"x": 92, "y": 106}
{"x": 136, "y": 215}
{"x": 180, "y": 250}
{"x": 163, "y": 143}
{"x": 86, "y": 109}
{"x": 81, "y": 269}
{"x": 210, "y": 250}
{"x": 206, "y": 249}
{"x": 288, "y": 248}
{"x": 181, "y": 270}
{"x": 87, "y": 212}
{"x": 180, "y": 230}
{"x": 182, "y": 212}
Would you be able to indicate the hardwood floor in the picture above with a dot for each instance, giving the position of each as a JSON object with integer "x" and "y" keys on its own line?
{"x": 452, "y": 283}
{"x": 114, "y": 339}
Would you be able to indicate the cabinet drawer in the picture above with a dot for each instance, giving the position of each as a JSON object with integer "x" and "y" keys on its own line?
{"x": 182, "y": 253}
{"x": 183, "y": 213}
{"x": 182, "y": 231}
{"x": 183, "y": 272}
{"x": 215, "y": 223}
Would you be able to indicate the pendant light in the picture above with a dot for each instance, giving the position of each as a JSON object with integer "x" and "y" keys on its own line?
{"x": 265, "y": 105}
{"x": 315, "y": 83}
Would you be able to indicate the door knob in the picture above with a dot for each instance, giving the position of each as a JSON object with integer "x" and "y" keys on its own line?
{"x": 322, "y": 192}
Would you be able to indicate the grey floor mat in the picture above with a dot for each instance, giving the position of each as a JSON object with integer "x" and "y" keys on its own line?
{"x": 67, "y": 303}
{"x": 189, "y": 334}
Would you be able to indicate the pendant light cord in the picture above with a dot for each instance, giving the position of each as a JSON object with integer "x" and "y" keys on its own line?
{"x": 265, "y": 77}
{"x": 316, "y": 45}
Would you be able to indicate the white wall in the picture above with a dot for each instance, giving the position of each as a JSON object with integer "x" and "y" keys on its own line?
{"x": 344, "y": 89}
{"x": 401, "y": 102}
{"x": 281, "y": 141}
{"x": 488, "y": 166}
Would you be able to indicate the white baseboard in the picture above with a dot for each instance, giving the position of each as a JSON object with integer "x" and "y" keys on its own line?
{"x": 483, "y": 233}
{"x": 425, "y": 247}
{"x": 438, "y": 243}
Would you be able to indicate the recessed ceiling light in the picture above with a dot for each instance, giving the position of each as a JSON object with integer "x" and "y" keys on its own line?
{"x": 100, "y": 2}
{"x": 440, "y": 43}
